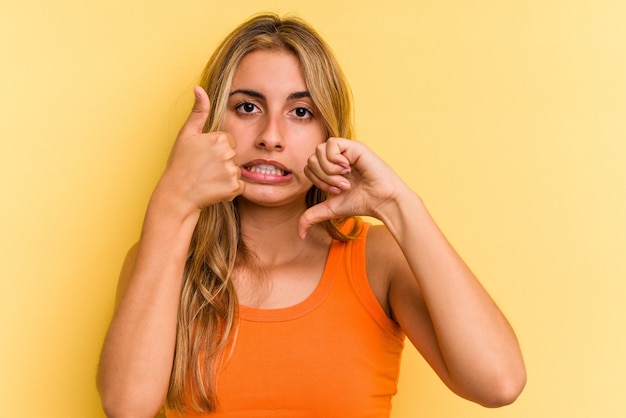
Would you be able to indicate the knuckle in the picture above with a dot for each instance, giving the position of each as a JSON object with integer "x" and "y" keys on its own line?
{"x": 215, "y": 138}
{"x": 333, "y": 141}
{"x": 230, "y": 154}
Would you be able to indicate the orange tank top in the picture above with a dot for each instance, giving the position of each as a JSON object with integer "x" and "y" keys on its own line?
{"x": 336, "y": 354}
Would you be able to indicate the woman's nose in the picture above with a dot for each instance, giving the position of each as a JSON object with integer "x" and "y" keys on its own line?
{"x": 271, "y": 136}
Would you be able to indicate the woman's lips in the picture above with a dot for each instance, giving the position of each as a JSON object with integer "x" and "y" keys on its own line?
{"x": 268, "y": 172}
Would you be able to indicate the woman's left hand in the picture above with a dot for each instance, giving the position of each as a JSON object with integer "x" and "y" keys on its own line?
{"x": 357, "y": 180}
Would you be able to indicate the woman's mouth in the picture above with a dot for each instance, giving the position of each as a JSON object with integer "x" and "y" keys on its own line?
{"x": 266, "y": 169}
{"x": 265, "y": 172}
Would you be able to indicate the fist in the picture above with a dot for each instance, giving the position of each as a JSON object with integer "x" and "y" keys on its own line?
{"x": 358, "y": 182}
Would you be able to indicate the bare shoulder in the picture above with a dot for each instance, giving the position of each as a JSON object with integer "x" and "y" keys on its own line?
{"x": 383, "y": 259}
{"x": 390, "y": 275}
{"x": 127, "y": 270}
{"x": 383, "y": 252}
{"x": 380, "y": 247}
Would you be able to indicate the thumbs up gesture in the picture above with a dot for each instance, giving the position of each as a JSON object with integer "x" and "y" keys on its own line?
{"x": 202, "y": 167}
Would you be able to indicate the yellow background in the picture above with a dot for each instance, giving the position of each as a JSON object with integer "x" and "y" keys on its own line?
{"x": 509, "y": 118}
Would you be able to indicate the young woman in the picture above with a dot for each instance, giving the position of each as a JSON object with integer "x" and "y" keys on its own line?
{"x": 256, "y": 291}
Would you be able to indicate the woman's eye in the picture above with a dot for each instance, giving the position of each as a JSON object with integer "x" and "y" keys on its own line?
{"x": 247, "y": 107}
{"x": 302, "y": 112}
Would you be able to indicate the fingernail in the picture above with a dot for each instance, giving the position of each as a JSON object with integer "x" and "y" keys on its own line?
{"x": 344, "y": 185}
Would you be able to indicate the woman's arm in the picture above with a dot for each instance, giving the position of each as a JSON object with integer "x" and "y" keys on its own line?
{"x": 445, "y": 311}
{"x": 432, "y": 294}
{"x": 136, "y": 359}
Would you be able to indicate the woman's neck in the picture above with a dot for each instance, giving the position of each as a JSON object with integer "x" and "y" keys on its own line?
{"x": 271, "y": 232}
{"x": 288, "y": 268}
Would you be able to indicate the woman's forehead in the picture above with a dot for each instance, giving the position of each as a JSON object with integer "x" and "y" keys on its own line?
{"x": 269, "y": 70}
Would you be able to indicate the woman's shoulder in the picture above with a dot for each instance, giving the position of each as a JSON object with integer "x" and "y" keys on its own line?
{"x": 382, "y": 256}
{"x": 380, "y": 244}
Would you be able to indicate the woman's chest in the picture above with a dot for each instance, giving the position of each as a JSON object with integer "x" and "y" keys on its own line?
{"x": 336, "y": 367}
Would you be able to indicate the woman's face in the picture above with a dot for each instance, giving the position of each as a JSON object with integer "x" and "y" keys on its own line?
{"x": 272, "y": 117}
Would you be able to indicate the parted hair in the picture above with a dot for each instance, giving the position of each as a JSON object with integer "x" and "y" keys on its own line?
{"x": 207, "y": 316}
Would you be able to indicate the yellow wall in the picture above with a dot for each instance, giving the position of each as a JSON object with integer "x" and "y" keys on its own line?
{"x": 508, "y": 117}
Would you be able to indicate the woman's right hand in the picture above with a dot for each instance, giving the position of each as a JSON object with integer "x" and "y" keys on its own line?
{"x": 202, "y": 168}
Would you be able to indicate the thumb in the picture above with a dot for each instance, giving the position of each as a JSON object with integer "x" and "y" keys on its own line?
{"x": 199, "y": 114}
{"x": 314, "y": 215}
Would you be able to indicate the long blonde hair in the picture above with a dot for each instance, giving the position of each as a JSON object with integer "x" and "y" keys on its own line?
{"x": 208, "y": 302}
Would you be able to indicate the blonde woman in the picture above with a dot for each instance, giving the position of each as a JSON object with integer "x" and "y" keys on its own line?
{"x": 255, "y": 289}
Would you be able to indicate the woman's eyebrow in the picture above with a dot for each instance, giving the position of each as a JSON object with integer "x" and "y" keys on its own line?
{"x": 298, "y": 95}
{"x": 253, "y": 93}
{"x": 247, "y": 92}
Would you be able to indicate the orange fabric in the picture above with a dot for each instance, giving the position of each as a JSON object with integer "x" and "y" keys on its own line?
{"x": 336, "y": 354}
